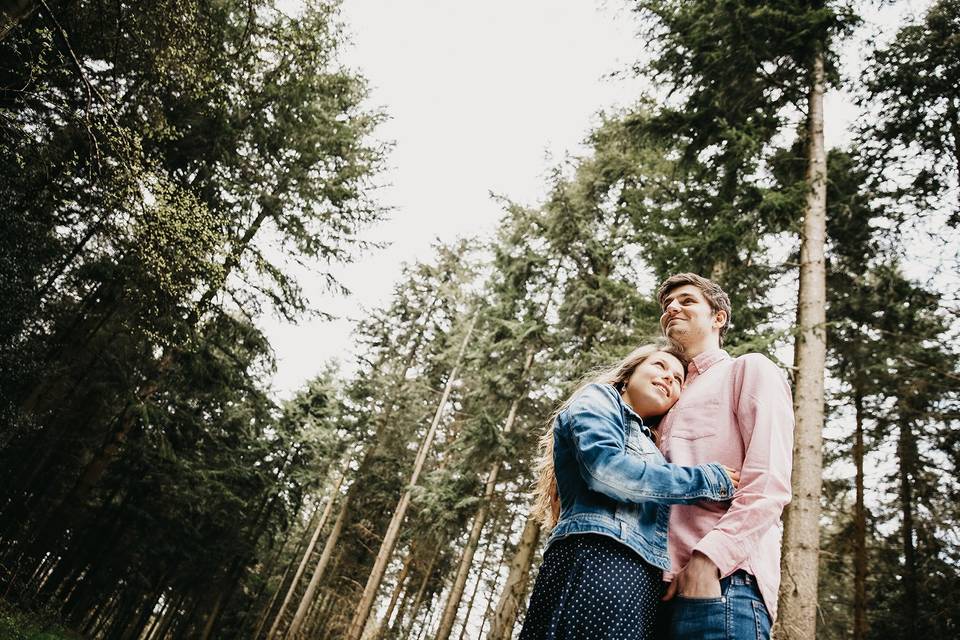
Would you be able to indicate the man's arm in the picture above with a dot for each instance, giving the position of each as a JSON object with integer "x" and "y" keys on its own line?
{"x": 765, "y": 418}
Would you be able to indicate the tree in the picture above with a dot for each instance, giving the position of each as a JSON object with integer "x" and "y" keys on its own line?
{"x": 910, "y": 91}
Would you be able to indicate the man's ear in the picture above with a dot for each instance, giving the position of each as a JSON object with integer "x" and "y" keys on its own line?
{"x": 719, "y": 318}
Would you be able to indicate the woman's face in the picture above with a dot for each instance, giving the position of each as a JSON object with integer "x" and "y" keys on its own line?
{"x": 654, "y": 386}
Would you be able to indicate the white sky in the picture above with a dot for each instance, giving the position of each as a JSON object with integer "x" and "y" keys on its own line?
{"x": 482, "y": 97}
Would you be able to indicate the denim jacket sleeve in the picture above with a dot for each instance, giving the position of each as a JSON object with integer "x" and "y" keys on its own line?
{"x": 595, "y": 424}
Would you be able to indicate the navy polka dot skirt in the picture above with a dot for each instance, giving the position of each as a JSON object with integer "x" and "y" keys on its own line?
{"x": 591, "y": 587}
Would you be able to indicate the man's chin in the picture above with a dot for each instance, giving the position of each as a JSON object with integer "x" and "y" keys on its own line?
{"x": 675, "y": 333}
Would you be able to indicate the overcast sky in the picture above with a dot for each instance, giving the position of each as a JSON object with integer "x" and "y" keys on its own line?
{"x": 482, "y": 97}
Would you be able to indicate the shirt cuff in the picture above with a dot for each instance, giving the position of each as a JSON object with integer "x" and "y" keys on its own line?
{"x": 723, "y": 551}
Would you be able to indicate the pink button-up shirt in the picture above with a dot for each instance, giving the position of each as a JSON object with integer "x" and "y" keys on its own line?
{"x": 737, "y": 412}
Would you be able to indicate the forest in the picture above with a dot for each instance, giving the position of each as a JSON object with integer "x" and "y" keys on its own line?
{"x": 166, "y": 167}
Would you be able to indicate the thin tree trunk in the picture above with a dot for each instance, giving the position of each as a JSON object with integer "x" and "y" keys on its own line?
{"x": 212, "y": 616}
{"x": 306, "y": 554}
{"x": 397, "y": 590}
{"x": 859, "y": 530}
{"x": 167, "y": 621}
{"x": 265, "y": 615}
{"x": 420, "y": 592}
{"x": 801, "y": 535}
{"x": 515, "y": 588}
{"x": 269, "y": 567}
{"x": 429, "y": 617}
{"x": 476, "y": 585}
{"x": 300, "y": 616}
{"x": 466, "y": 560}
{"x": 154, "y": 622}
{"x": 906, "y": 451}
{"x": 393, "y": 530}
{"x": 487, "y": 610}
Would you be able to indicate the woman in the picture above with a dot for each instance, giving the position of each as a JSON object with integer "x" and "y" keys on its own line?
{"x": 602, "y": 567}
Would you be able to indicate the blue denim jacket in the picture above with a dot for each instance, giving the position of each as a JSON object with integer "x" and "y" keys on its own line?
{"x": 614, "y": 481}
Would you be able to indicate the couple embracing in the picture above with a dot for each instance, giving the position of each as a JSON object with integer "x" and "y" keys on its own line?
{"x": 666, "y": 476}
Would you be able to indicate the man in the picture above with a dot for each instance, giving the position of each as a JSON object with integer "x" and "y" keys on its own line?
{"x": 725, "y": 557}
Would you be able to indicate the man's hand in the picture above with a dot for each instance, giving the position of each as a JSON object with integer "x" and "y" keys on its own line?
{"x": 699, "y": 579}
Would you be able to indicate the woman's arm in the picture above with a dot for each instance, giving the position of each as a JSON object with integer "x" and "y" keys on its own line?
{"x": 595, "y": 426}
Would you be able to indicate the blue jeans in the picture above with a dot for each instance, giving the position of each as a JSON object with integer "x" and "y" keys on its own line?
{"x": 738, "y": 614}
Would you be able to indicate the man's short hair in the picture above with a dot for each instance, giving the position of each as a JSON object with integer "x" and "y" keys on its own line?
{"x": 716, "y": 297}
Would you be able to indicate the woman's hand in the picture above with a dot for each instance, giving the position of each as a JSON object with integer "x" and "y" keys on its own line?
{"x": 734, "y": 476}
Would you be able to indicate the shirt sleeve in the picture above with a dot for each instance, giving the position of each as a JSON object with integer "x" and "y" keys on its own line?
{"x": 595, "y": 423}
{"x": 765, "y": 418}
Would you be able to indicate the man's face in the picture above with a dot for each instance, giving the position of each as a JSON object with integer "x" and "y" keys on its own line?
{"x": 687, "y": 316}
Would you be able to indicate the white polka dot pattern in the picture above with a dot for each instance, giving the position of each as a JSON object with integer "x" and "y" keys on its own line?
{"x": 591, "y": 587}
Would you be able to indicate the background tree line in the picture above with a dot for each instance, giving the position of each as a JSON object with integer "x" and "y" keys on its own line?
{"x": 165, "y": 165}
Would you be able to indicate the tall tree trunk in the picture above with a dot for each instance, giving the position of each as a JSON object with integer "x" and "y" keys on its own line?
{"x": 397, "y": 590}
{"x": 301, "y": 614}
{"x": 393, "y": 529}
{"x": 859, "y": 529}
{"x": 166, "y": 621}
{"x": 309, "y": 552}
{"x": 907, "y": 452}
{"x": 213, "y": 615}
{"x": 265, "y": 614}
{"x": 476, "y": 585}
{"x": 420, "y": 593}
{"x": 515, "y": 589}
{"x": 801, "y": 535}
{"x": 466, "y": 560}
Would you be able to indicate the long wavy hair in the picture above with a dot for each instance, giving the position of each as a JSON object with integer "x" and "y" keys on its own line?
{"x": 545, "y": 488}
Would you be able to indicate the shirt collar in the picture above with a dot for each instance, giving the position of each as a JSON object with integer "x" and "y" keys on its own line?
{"x": 707, "y": 359}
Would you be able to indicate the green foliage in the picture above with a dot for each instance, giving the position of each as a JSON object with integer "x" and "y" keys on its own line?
{"x": 18, "y": 625}
{"x": 912, "y": 91}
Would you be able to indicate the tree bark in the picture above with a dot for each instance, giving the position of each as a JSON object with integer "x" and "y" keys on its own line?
{"x": 309, "y": 551}
{"x": 418, "y": 599}
{"x": 395, "y": 596}
{"x": 300, "y": 616}
{"x": 859, "y": 529}
{"x": 801, "y": 536}
{"x": 906, "y": 451}
{"x": 393, "y": 529}
{"x": 476, "y": 585}
{"x": 515, "y": 588}
{"x": 479, "y": 521}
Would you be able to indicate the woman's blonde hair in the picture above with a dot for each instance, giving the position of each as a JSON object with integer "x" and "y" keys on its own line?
{"x": 545, "y": 489}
